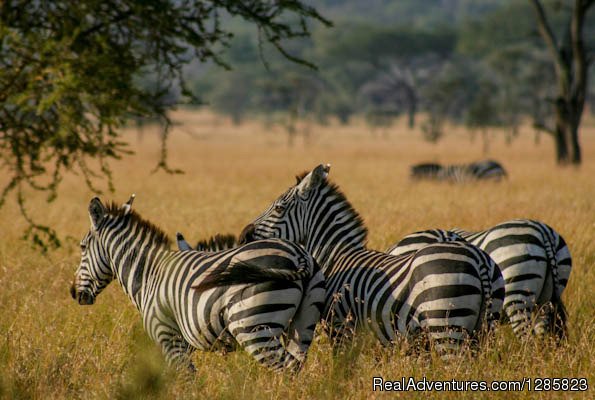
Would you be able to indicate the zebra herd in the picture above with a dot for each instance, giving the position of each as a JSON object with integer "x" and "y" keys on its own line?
{"x": 304, "y": 260}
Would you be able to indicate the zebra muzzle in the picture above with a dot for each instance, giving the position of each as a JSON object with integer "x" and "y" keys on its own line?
{"x": 84, "y": 298}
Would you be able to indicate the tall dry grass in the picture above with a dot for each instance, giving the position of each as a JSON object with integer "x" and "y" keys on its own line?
{"x": 50, "y": 347}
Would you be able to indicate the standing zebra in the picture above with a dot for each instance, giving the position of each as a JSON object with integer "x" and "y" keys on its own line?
{"x": 535, "y": 263}
{"x": 441, "y": 291}
{"x": 265, "y": 297}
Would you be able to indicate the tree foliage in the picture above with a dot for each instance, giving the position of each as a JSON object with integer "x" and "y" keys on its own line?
{"x": 70, "y": 73}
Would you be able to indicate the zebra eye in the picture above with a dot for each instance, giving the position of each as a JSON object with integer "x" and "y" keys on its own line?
{"x": 83, "y": 246}
{"x": 279, "y": 208}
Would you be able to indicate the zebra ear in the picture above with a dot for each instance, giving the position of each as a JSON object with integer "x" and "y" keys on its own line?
{"x": 96, "y": 212}
{"x": 127, "y": 207}
{"x": 182, "y": 243}
{"x": 314, "y": 178}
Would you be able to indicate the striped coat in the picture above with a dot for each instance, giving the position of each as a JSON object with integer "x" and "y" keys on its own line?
{"x": 264, "y": 297}
{"x": 490, "y": 271}
{"x": 437, "y": 293}
{"x": 480, "y": 170}
{"x": 535, "y": 263}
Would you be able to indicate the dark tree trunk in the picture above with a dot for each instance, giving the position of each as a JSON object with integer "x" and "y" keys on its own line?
{"x": 412, "y": 99}
{"x": 571, "y": 66}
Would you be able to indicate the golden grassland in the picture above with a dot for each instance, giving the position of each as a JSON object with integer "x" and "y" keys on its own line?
{"x": 50, "y": 347}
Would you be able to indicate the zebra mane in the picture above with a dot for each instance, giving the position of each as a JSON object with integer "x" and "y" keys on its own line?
{"x": 158, "y": 235}
{"x": 338, "y": 193}
{"x": 217, "y": 243}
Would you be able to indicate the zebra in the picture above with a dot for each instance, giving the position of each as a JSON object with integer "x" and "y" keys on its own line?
{"x": 535, "y": 263}
{"x": 480, "y": 170}
{"x": 440, "y": 293}
{"x": 417, "y": 240}
{"x": 265, "y": 297}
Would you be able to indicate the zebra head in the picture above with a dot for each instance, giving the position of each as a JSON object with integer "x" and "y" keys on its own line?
{"x": 285, "y": 217}
{"x": 94, "y": 272}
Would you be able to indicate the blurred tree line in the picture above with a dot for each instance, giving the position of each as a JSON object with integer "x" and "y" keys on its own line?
{"x": 478, "y": 63}
{"x": 73, "y": 73}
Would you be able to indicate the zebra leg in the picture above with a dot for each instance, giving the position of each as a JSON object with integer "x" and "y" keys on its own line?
{"x": 301, "y": 330}
{"x": 518, "y": 313}
{"x": 550, "y": 314}
{"x": 264, "y": 344}
{"x": 176, "y": 349}
{"x": 550, "y": 319}
{"x": 339, "y": 322}
{"x": 259, "y": 317}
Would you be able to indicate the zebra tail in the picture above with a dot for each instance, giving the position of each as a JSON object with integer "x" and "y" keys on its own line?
{"x": 245, "y": 273}
{"x": 559, "y": 314}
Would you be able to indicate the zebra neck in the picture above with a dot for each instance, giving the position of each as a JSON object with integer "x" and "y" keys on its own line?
{"x": 134, "y": 254}
{"x": 338, "y": 229}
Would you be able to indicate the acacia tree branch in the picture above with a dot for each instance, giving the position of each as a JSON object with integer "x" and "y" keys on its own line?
{"x": 549, "y": 38}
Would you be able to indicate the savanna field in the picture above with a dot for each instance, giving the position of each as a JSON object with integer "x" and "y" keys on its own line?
{"x": 50, "y": 347}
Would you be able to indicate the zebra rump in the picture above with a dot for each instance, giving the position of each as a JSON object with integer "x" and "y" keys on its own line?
{"x": 491, "y": 275}
{"x": 534, "y": 261}
{"x": 536, "y": 265}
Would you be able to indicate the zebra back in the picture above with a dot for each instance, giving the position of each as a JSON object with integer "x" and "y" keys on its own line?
{"x": 415, "y": 241}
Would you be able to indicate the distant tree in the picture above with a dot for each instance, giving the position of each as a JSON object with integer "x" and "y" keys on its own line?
{"x": 69, "y": 72}
{"x": 397, "y": 62}
{"x": 396, "y": 89}
{"x": 571, "y": 64}
{"x": 290, "y": 96}
{"x": 449, "y": 95}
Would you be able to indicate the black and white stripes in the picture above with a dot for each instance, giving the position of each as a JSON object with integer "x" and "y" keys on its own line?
{"x": 480, "y": 170}
{"x": 265, "y": 296}
{"x": 441, "y": 291}
{"x": 535, "y": 263}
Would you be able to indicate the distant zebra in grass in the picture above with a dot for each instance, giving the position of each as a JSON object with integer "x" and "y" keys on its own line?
{"x": 440, "y": 292}
{"x": 481, "y": 170}
{"x": 265, "y": 296}
{"x": 535, "y": 263}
